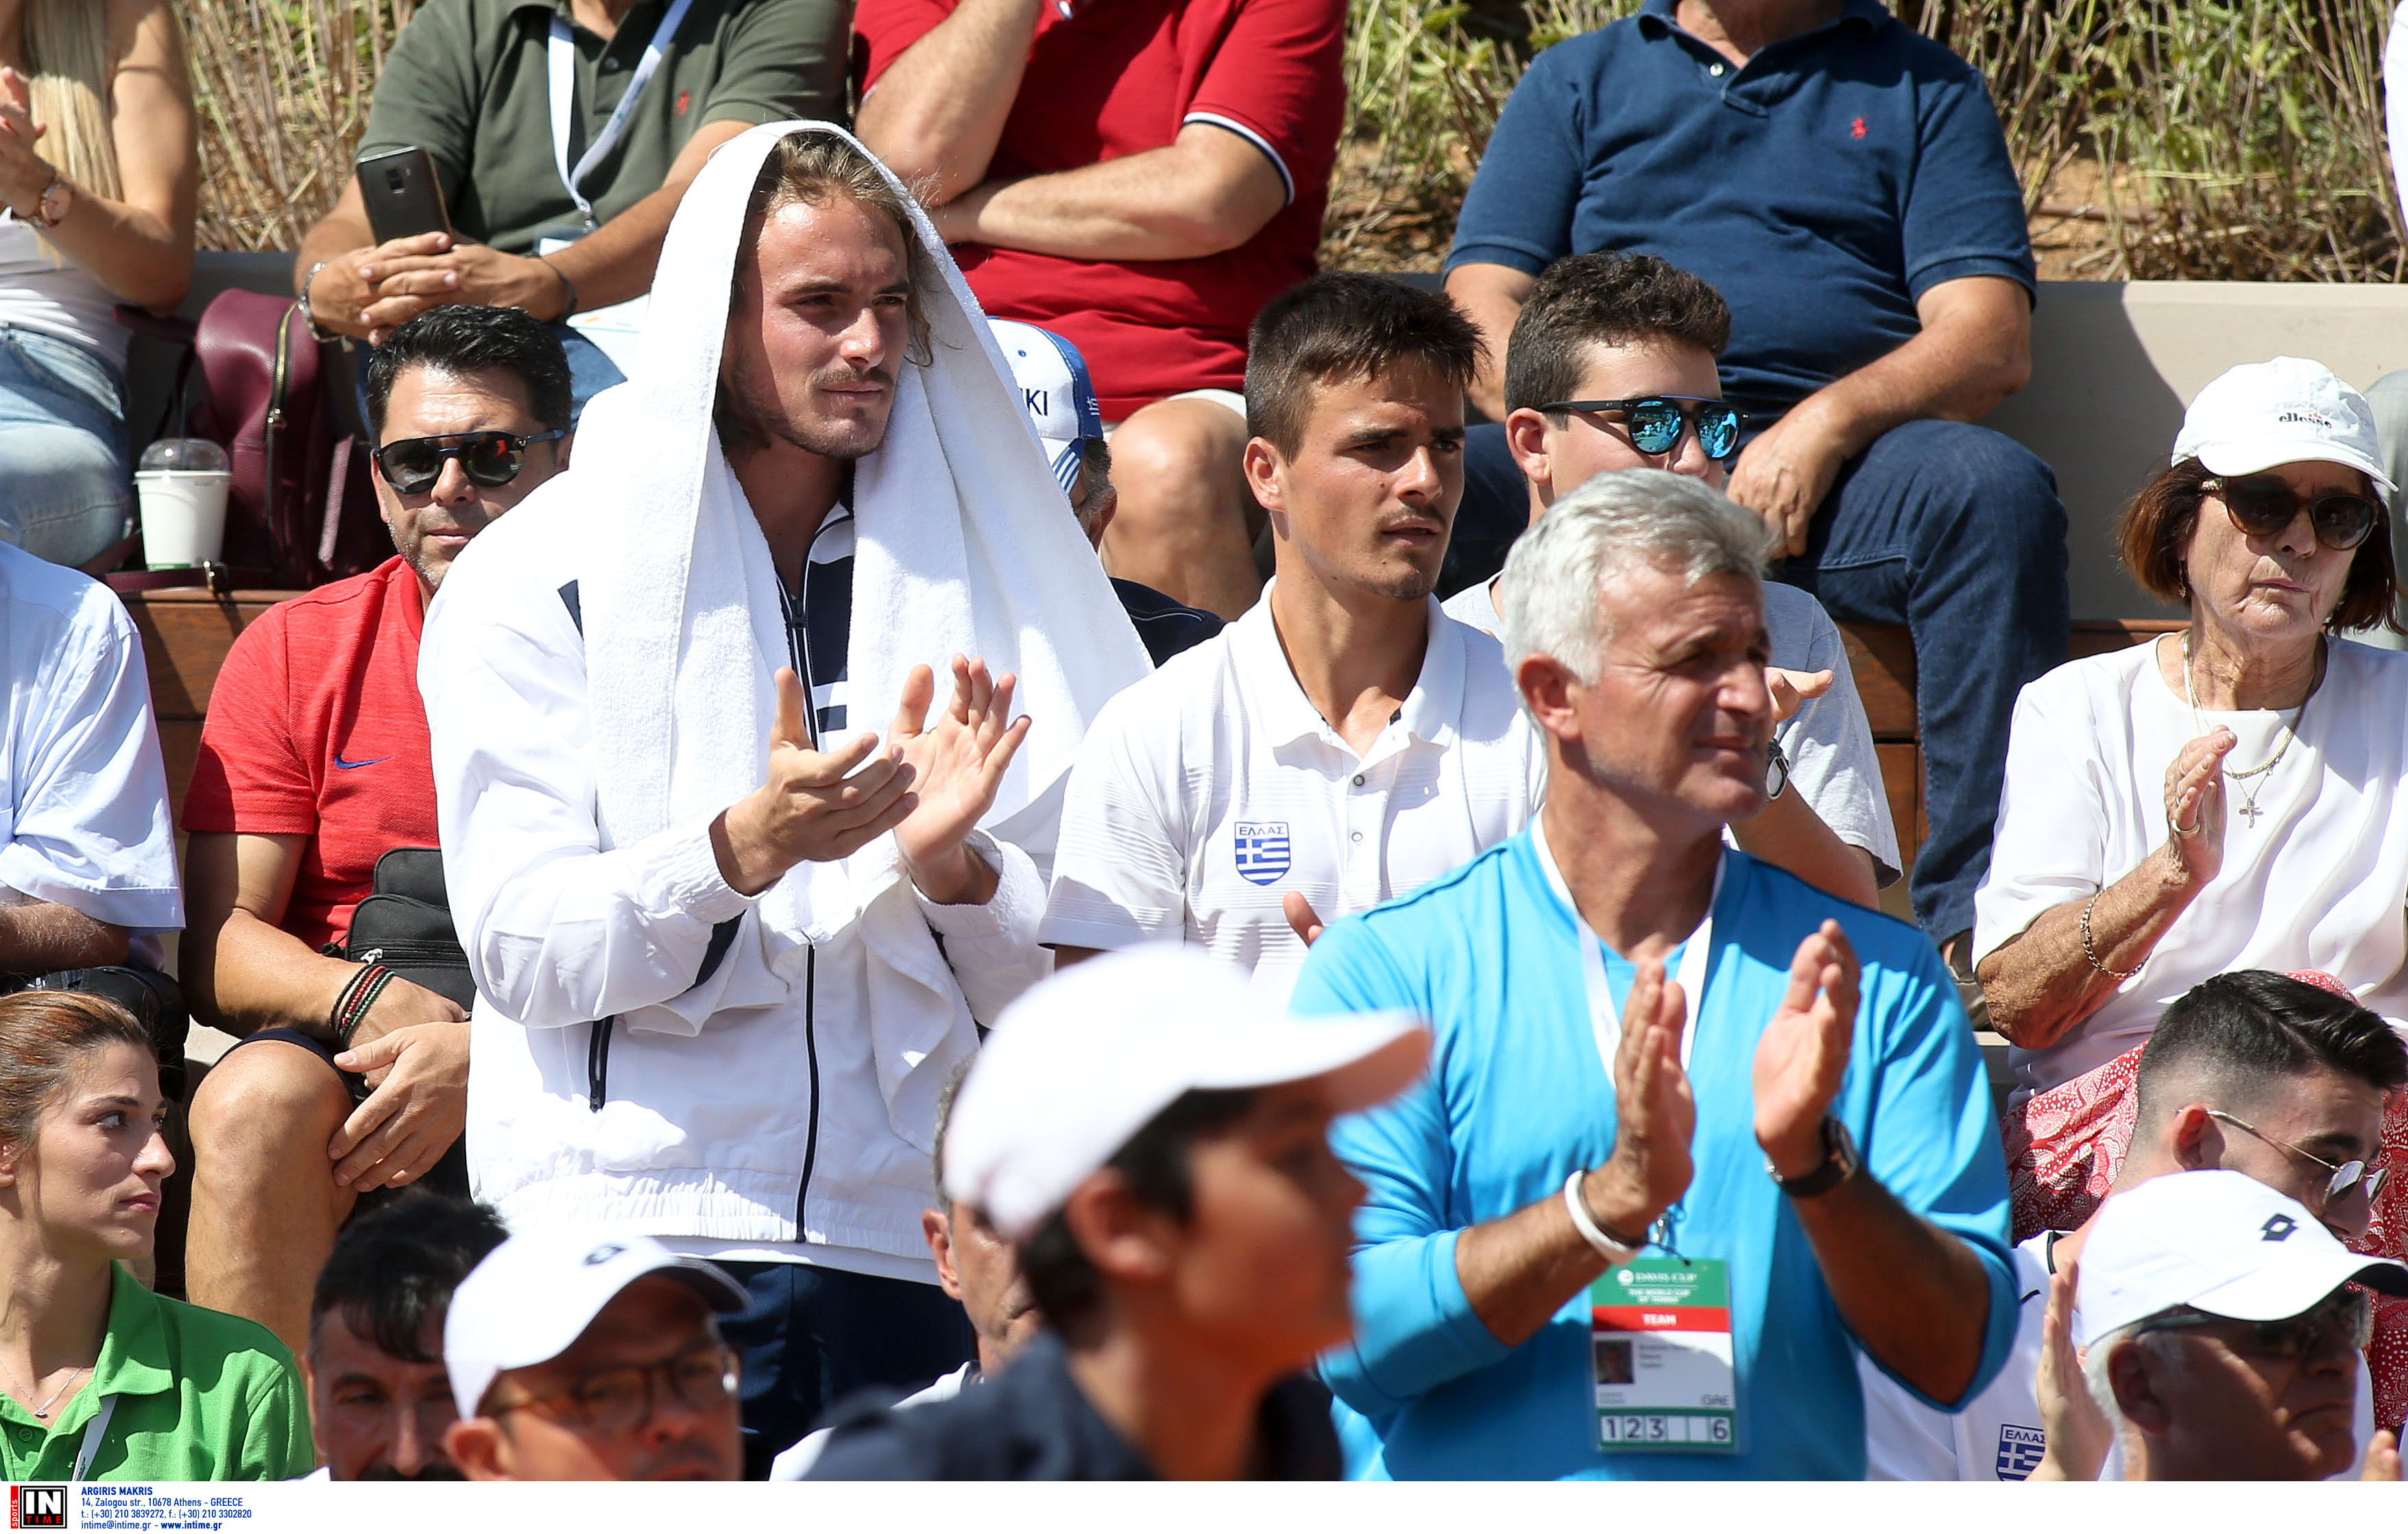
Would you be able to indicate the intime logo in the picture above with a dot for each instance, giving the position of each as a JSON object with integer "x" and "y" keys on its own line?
{"x": 38, "y": 1507}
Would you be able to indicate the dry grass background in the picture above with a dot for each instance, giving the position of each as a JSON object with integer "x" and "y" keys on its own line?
{"x": 2161, "y": 138}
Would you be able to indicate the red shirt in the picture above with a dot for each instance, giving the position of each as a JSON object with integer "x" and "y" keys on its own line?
{"x": 316, "y": 729}
{"x": 1124, "y": 76}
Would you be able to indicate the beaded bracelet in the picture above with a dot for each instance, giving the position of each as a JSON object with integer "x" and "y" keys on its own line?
{"x": 2090, "y": 950}
{"x": 358, "y": 995}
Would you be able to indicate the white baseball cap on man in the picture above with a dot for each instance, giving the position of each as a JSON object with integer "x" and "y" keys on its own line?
{"x": 534, "y": 1295}
{"x": 2289, "y": 410}
{"x": 1088, "y": 1057}
{"x": 1054, "y": 391}
{"x": 2219, "y": 1242}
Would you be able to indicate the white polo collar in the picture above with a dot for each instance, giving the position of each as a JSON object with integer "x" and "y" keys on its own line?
{"x": 1429, "y": 712}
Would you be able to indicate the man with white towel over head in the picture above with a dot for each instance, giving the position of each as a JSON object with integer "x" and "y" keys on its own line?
{"x": 728, "y": 945}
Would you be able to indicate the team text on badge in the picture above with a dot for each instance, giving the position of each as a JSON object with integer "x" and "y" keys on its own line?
{"x": 1660, "y": 1349}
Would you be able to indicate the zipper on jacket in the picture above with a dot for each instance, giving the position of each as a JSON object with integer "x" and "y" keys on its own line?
{"x": 811, "y": 1053}
{"x": 597, "y": 1065}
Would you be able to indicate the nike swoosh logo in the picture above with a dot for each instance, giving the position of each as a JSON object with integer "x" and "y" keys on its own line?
{"x": 370, "y": 763}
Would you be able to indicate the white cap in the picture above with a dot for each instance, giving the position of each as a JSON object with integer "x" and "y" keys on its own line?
{"x": 2287, "y": 411}
{"x": 1055, "y": 391}
{"x": 2219, "y": 1242}
{"x": 534, "y": 1296}
{"x": 1088, "y": 1057}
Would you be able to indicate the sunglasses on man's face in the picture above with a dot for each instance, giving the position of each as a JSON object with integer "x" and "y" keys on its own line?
{"x": 2262, "y": 508}
{"x": 2344, "y": 1321}
{"x": 1655, "y": 421}
{"x": 491, "y": 459}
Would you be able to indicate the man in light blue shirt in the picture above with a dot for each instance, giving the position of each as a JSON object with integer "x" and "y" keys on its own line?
{"x": 1595, "y": 1247}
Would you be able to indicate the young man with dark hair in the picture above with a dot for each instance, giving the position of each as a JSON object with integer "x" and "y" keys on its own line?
{"x": 1345, "y": 741}
{"x": 1843, "y": 183}
{"x": 380, "y": 1399}
{"x": 1154, "y": 1141}
{"x": 729, "y": 941}
{"x": 2251, "y": 1071}
{"x": 1632, "y": 342}
{"x": 313, "y": 766}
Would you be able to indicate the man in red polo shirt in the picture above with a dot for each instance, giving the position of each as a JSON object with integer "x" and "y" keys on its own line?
{"x": 1142, "y": 176}
{"x": 314, "y": 764}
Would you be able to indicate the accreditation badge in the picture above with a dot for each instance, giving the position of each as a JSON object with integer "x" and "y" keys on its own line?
{"x": 1660, "y": 1350}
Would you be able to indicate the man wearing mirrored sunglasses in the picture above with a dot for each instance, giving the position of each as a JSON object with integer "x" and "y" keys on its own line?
{"x": 2252, "y": 1071}
{"x": 1612, "y": 366}
{"x": 2219, "y": 1331}
{"x": 578, "y": 1357}
{"x": 1843, "y": 181}
{"x": 313, "y": 765}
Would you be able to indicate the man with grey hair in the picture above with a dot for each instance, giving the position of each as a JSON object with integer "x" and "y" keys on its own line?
{"x": 1694, "y": 1132}
{"x": 2220, "y": 1324}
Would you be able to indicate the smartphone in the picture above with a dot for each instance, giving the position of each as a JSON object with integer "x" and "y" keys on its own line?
{"x": 401, "y": 194}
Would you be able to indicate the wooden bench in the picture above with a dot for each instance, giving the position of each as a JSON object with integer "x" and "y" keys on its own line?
{"x": 186, "y": 633}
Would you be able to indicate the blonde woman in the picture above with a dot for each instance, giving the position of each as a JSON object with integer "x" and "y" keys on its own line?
{"x": 98, "y": 174}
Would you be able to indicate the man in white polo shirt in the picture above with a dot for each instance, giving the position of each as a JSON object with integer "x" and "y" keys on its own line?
{"x": 1345, "y": 741}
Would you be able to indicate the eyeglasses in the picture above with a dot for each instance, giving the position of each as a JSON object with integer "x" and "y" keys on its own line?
{"x": 491, "y": 459}
{"x": 2347, "y": 1175}
{"x": 1776, "y": 769}
{"x": 2346, "y": 1317}
{"x": 1655, "y": 421}
{"x": 618, "y": 1401}
{"x": 2263, "y": 507}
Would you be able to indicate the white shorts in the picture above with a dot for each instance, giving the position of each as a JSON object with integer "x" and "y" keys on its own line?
{"x": 1228, "y": 399}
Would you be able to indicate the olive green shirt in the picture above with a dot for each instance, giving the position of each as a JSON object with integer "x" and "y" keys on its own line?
{"x": 468, "y": 81}
{"x": 201, "y": 1395}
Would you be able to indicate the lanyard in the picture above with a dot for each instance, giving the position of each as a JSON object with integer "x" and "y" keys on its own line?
{"x": 1605, "y": 1019}
{"x": 561, "y": 56}
{"x": 95, "y": 1430}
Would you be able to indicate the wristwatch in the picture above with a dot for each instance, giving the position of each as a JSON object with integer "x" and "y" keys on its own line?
{"x": 51, "y": 205}
{"x": 1840, "y": 1163}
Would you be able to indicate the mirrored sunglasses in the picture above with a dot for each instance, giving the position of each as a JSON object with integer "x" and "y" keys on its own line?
{"x": 1655, "y": 421}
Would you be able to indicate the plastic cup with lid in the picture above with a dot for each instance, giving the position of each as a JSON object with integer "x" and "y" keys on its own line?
{"x": 182, "y": 483}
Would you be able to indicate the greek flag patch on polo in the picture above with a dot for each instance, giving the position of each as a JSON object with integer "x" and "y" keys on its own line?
{"x": 2019, "y": 1451}
{"x": 1262, "y": 851}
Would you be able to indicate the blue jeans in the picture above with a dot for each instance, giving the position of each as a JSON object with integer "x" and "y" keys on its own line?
{"x": 1957, "y": 532}
{"x": 814, "y": 1336}
{"x": 1951, "y": 530}
{"x": 66, "y": 492}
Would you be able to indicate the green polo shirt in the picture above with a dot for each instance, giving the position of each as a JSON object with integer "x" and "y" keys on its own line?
{"x": 468, "y": 81}
{"x": 201, "y": 1395}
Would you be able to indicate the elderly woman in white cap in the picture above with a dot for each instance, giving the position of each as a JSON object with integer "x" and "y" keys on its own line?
{"x": 2227, "y": 797}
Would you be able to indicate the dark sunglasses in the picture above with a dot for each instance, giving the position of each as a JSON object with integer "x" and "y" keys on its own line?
{"x": 1655, "y": 421}
{"x": 2264, "y": 507}
{"x": 2347, "y": 1317}
{"x": 491, "y": 459}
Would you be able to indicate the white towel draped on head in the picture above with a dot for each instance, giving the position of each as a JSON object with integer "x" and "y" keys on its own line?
{"x": 965, "y": 545}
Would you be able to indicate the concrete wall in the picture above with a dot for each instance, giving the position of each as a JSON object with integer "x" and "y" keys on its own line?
{"x": 2114, "y": 363}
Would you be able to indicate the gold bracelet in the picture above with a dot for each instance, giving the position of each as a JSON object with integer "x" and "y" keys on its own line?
{"x": 2090, "y": 950}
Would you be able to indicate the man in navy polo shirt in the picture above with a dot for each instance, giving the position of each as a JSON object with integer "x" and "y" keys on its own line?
{"x": 1843, "y": 181}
